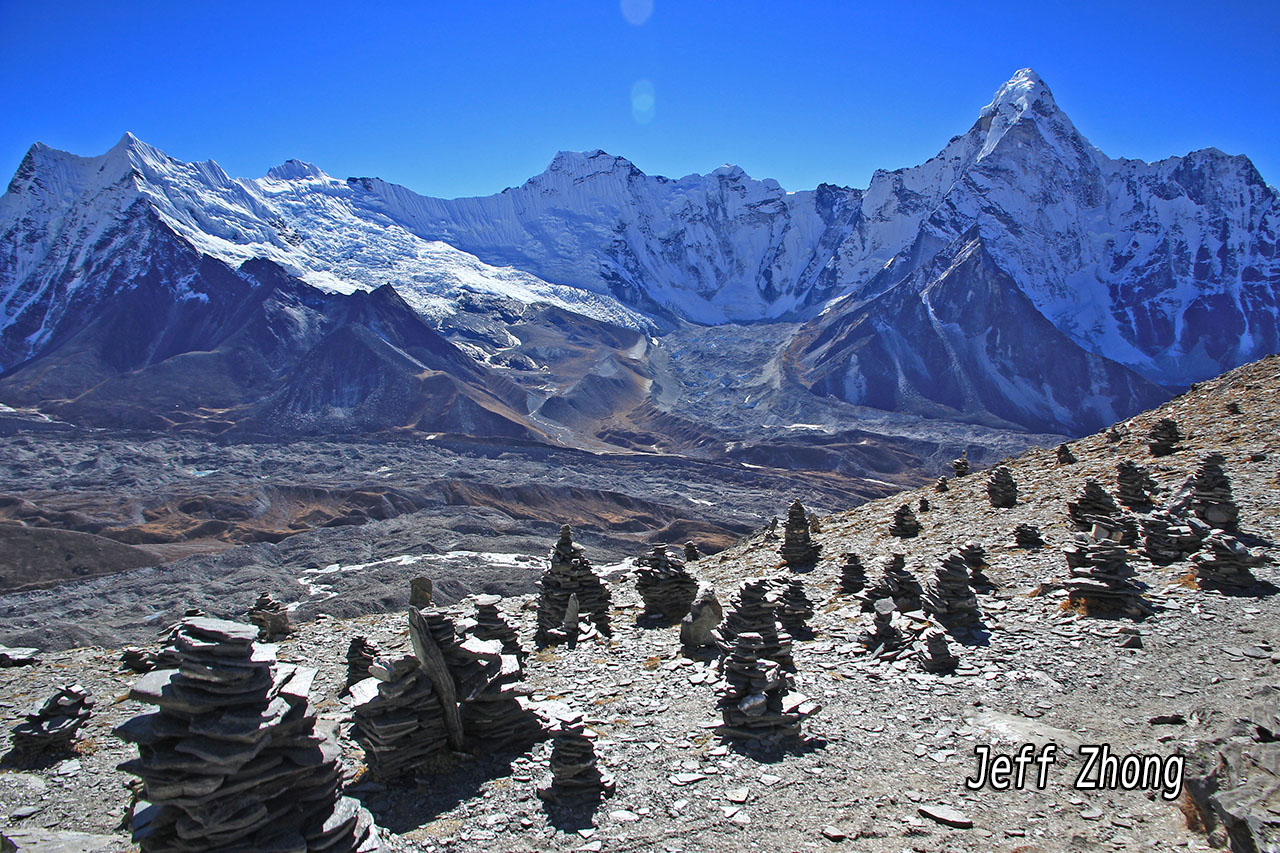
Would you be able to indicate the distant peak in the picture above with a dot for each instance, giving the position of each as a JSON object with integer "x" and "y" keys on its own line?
{"x": 730, "y": 171}
{"x": 1024, "y": 90}
{"x": 588, "y": 162}
{"x": 294, "y": 170}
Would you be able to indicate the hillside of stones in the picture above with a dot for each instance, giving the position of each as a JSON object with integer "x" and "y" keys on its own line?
{"x": 885, "y": 744}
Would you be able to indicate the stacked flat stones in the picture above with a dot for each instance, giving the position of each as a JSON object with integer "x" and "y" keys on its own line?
{"x": 798, "y": 549}
{"x": 361, "y": 653}
{"x": 948, "y": 597}
{"x": 904, "y": 524}
{"x": 1027, "y": 536}
{"x": 54, "y": 725}
{"x": 697, "y": 628}
{"x": 490, "y": 624}
{"x": 935, "y": 655}
{"x": 137, "y": 659}
{"x": 753, "y": 698}
{"x": 1167, "y": 538}
{"x": 960, "y": 466}
{"x": 665, "y": 586}
{"x": 941, "y": 485}
{"x": 1101, "y": 578}
{"x": 1002, "y": 491}
{"x": 399, "y": 720}
{"x": 897, "y": 583}
{"x": 794, "y": 607}
{"x": 231, "y": 760}
{"x": 853, "y": 575}
{"x": 1133, "y": 484}
{"x": 1163, "y": 438}
{"x": 975, "y": 557}
{"x": 569, "y": 574}
{"x": 691, "y": 552}
{"x": 270, "y": 617}
{"x": 1065, "y": 456}
{"x": 1211, "y": 498}
{"x": 884, "y": 639}
{"x": 755, "y": 611}
{"x": 924, "y": 505}
{"x": 1225, "y": 563}
{"x": 576, "y": 776}
{"x": 1094, "y": 506}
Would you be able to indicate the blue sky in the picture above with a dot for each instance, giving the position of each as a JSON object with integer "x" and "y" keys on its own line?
{"x": 470, "y": 96}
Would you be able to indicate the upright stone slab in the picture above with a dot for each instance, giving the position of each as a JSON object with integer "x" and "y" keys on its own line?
{"x": 697, "y": 628}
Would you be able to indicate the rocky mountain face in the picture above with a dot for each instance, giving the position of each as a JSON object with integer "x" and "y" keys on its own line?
{"x": 1021, "y": 278}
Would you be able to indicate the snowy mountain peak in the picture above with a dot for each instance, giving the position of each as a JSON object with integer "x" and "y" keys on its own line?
{"x": 295, "y": 170}
{"x": 585, "y": 164}
{"x": 1024, "y": 90}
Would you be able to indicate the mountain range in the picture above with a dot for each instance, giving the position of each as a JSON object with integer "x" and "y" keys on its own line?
{"x": 1021, "y": 279}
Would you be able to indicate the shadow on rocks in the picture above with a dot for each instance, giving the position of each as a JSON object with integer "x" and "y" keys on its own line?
{"x": 401, "y": 806}
{"x": 774, "y": 750}
{"x": 572, "y": 813}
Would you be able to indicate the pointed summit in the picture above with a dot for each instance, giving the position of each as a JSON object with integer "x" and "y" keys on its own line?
{"x": 295, "y": 170}
{"x": 1024, "y": 90}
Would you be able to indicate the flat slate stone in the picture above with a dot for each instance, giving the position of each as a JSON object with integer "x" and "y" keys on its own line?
{"x": 946, "y": 816}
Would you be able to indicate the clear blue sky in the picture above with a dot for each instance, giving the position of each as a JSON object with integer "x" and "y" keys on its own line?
{"x": 469, "y": 96}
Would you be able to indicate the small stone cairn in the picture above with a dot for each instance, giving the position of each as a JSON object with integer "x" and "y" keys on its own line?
{"x": 1133, "y": 484}
{"x": 960, "y": 465}
{"x": 853, "y": 575}
{"x": 399, "y": 719}
{"x": 1167, "y": 538}
{"x": 798, "y": 549}
{"x": 136, "y": 659}
{"x": 935, "y": 654}
{"x": 1117, "y": 433}
{"x": 576, "y": 777}
{"x": 948, "y": 597}
{"x": 54, "y": 725}
{"x": 904, "y": 525}
{"x": 815, "y": 523}
{"x": 665, "y": 586}
{"x": 1225, "y": 563}
{"x": 271, "y": 618}
{"x": 794, "y": 607}
{"x": 231, "y": 761}
{"x": 1027, "y": 536}
{"x": 975, "y": 557}
{"x": 941, "y": 485}
{"x": 1101, "y": 578}
{"x": 896, "y": 583}
{"x": 924, "y": 505}
{"x": 1065, "y": 456}
{"x": 1002, "y": 491}
{"x": 569, "y": 574}
{"x": 697, "y": 628}
{"x": 1094, "y": 505}
{"x": 884, "y": 639}
{"x": 490, "y": 624}
{"x": 753, "y": 699}
{"x": 361, "y": 653}
{"x": 755, "y": 611}
{"x": 1211, "y": 500}
{"x": 691, "y": 552}
{"x": 1163, "y": 438}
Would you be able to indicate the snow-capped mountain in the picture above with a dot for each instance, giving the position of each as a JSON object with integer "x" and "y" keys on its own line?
{"x": 916, "y": 294}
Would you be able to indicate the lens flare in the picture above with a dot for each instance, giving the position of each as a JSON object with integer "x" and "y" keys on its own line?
{"x": 636, "y": 11}
{"x": 642, "y": 101}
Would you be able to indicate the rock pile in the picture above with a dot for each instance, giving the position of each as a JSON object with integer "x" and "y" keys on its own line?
{"x": 361, "y": 653}
{"x": 1163, "y": 438}
{"x": 569, "y": 574}
{"x": 665, "y": 586}
{"x": 897, "y": 583}
{"x": 755, "y": 611}
{"x": 960, "y": 465}
{"x": 753, "y": 699}
{"x": 1065, "y": 456}
{"x": 794, "y": 607}
{"x": 137, "y": 660}
{"x": 399, "y": 720}
{"x": 904, "y": 524}
{"x": 853, "y": 575}
{"x": 941, "y": 485}
{"x": 1211, "y": 498}
{"x": 948, "y": 597}
{"x": 1094, "y": 505}
{"x": 1167, "y": 538}
{"x": 1225, "y": 563}
{"x": 815, "y": 523}
{"x": 1133, "y": 484}
{"x": 936, "y": 656}
{"x": 491, "y": 625}
{"x": 1101, "y": 579}
{"x": 697, "y": 628}
{"x": 270, "y": 617}
{"x": 798, "y": 549}
{"x": 1027, "y": 536}
{"x": 1001, "y": 489}
{"x": 691, "y": 552}
{"x": 975, "y": 557}
{"x": 924, "y": 505}
{"x": 54, "y": 725}
{"x": 884, "y": 639}
{"x": 231, "y": 760}
{"x": 576, "y": 776}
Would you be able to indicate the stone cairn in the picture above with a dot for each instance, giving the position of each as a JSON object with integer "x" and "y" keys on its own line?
{"x": 691, "y": 552}
{"x": 697, "y": 628}
{"x": 271, "y": 618}
{"x": 490, "y": 624}
{"x": 1163, "y": 438}
{"x": 137, "y": 659}
{"x": 948, "y": 597}
{"x": 1027, "y": 536}
{"x": 755, "y": 611}
{"x": 1211, "y": 498}
{"x": 665, "y": 586}
{"x": 925, "y": 506}
{"x": 1094, "y": 505}
{"x": 904, "y": 524}
{"x": 960, "y": 465}
{"x": 975, "y": 557}
{"x": 576, "y": 777}
{"x": 1001, "y": 489}
{"x": 815, "y": 523}
{"x": 798, "y": 549}
{"x": 1225, "y": 563}
{"x": 231, "y": 761}
{"x": 1167, "y": 538}
{"x": 54, "y": 725}
{"x": 1101, "y": 578}
{"x": 853, "y": 575}
{"x": 884, "y": 639}
{"x": 897, "y": 583}
{"x": 1065, "y": 456}
{"x": 361, "y": 653}
{"x": 399, "y": 719}
{"x": 1133, "y": 484}
{"x": 935, "y": 654}
{"x": 794, "y": 607}
{"x": 941, "y": 485}
{"x": 753, "y": 698}
{"x": 569, "y": 574}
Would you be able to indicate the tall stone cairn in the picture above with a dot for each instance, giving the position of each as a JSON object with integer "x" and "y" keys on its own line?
{"x": 896, "y": 583}
{"x": 936, "y": 656}
{"x": 490, "y": 624}
{"x": 665, "y": 586}
{"x": 975, "y": 557}
{"x": 941, "y": 485}
{"x": 904, "y": 524}
{"x": 1167, "y": 538}
{"x": 697, "y": 628}
{"x": 399, "y": 719}
{"x": 960, "y": 465}
{"x": 1133, "y": 484}
{"x": 1163, "y": 438}
{"x": 691, "y": 552}
{"x": 853, "y": 575}
{"x": 884, "y": 639}
{"x": 576, "y": 777}
{"x": 794, "y": 607}
{"x": 1211, "y": 498}
{"x": 1094, "y": 505}
{"x": 361, "y": 653}
{"x": 1065, "y": 456}
{"x": 569, "y": 573}
{"x": 231, "y": 761}
{"x": 1101, "y": 581}
{"x": 948, "y": 597}
{"x": 1225, "y": 563}
{"x": 798, "y": 549}
{"x": 1001, "y": 489}
{"x": 53, "y": 725}
{"x": 1027, "y": 536}
{"x": 752, "y": 700}
{"x": 270, "y": 617}
{"x": 755, "y": 610}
